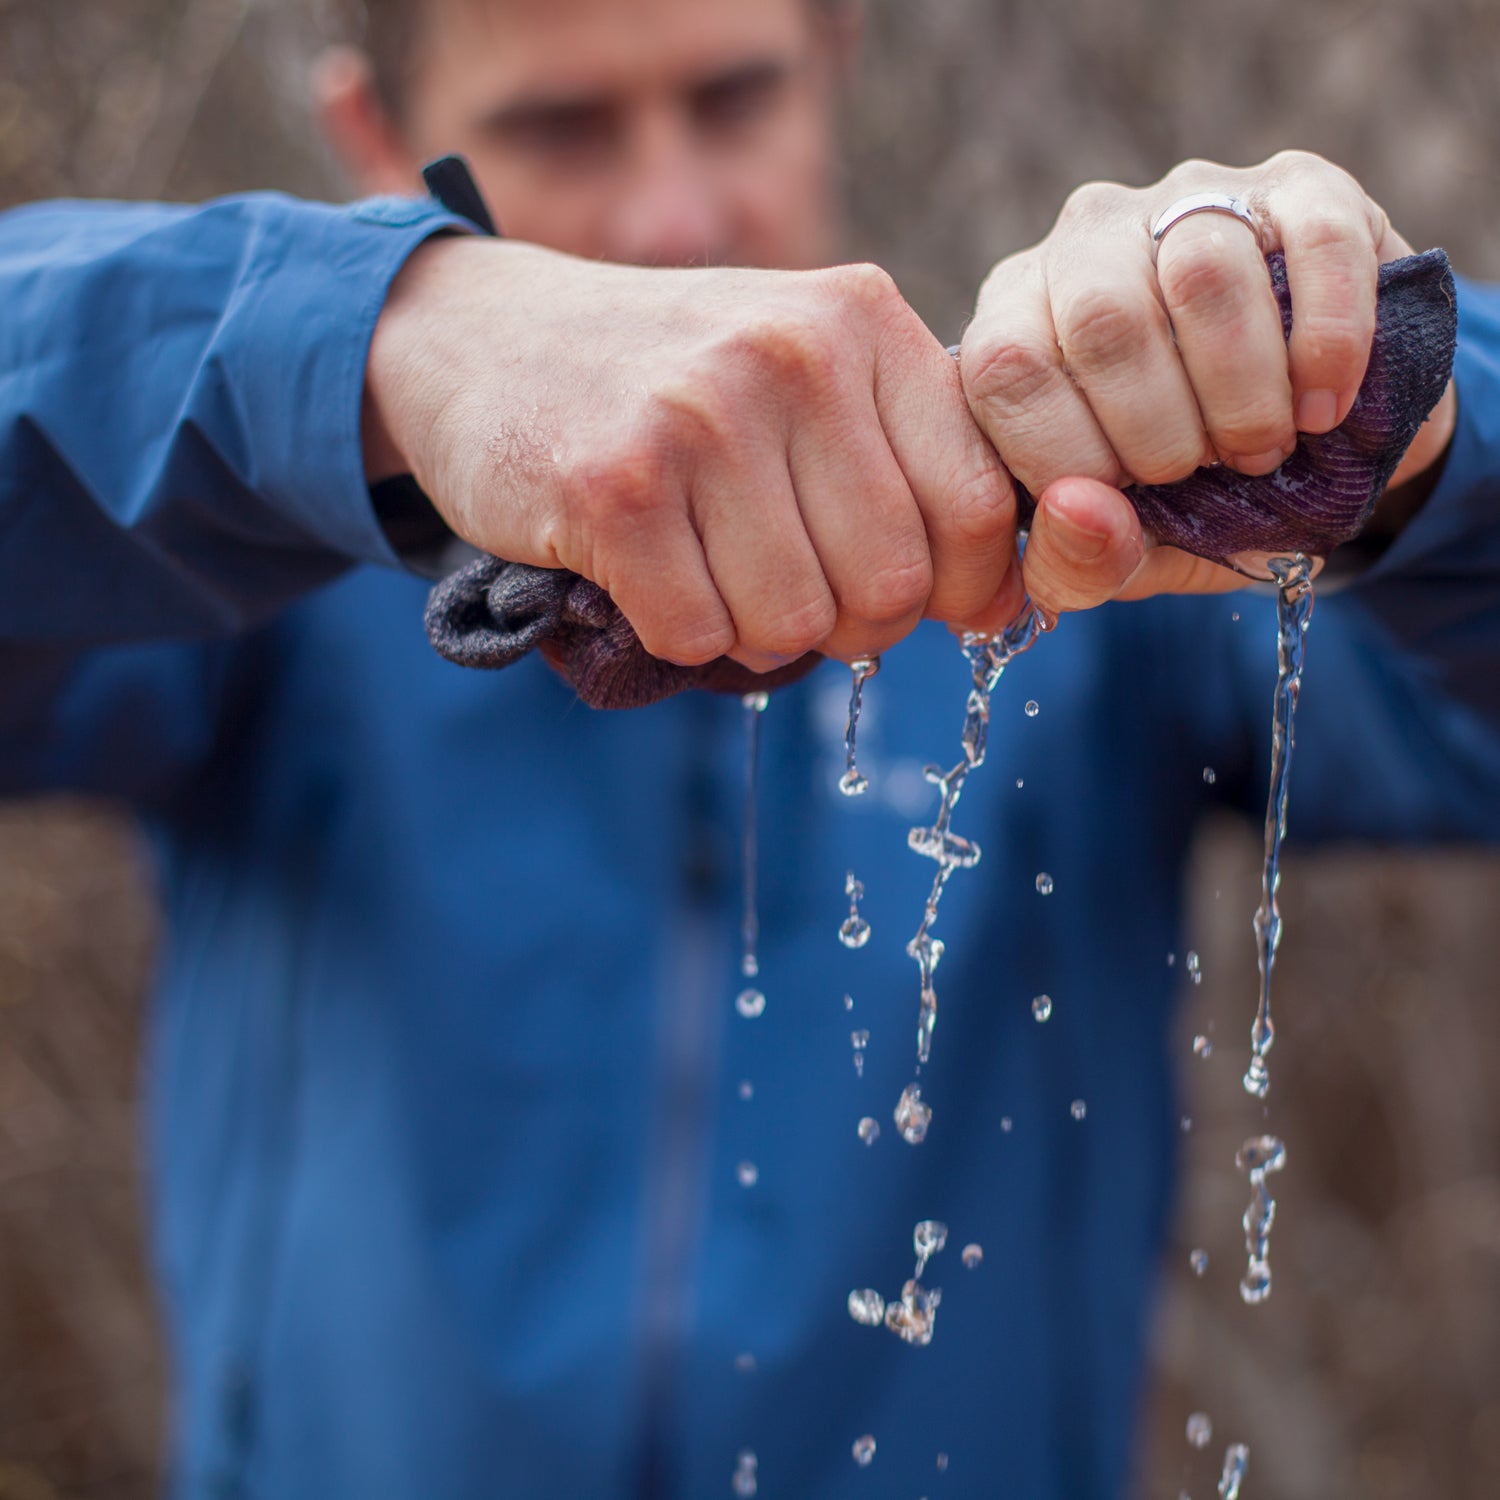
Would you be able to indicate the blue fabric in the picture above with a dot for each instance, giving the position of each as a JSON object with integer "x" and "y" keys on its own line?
{"x": 444, "y": 1064}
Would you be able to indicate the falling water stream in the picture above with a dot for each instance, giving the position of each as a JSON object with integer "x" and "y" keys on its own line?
{"x": 1294, "y": 602}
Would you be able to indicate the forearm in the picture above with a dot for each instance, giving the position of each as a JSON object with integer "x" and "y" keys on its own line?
{"x": 180, "y": 410}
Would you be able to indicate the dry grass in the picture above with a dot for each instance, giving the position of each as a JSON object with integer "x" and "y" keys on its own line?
{"x": 1373, "y": 1370}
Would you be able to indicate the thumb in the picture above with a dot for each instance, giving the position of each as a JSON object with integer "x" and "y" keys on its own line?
{"x": 1085, "y": 541}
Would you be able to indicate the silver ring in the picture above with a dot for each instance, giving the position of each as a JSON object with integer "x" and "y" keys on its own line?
{"x": 1204, "y": 203}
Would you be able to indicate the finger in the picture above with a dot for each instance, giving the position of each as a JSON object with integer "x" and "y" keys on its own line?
{"x": 1117, "y": 340}
{"x": 1168, "y": 570}
{"x": 1018, "y": 389}
{"x": 1085, "y": 542}
{"x": 1333, "y": 237}
{"x": 1218, "y": 295}
{"x": 657, "y": 573}
{"x": 762, "y": 562}
{"x": 965, "y": 498}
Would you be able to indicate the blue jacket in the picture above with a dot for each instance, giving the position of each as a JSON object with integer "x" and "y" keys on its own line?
{"x": 444, "y": 1072}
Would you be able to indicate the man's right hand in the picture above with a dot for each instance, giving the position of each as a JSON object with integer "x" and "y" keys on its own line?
{"x": 752, "y": 463}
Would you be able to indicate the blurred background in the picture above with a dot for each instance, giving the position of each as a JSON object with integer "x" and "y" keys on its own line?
{"x": 1375, "y": 1368}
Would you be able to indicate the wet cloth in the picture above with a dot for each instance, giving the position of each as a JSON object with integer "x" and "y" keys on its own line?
{"x": 491, "y": 613}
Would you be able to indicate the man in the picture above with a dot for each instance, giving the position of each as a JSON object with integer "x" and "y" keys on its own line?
{"x": 448, "y": 1100}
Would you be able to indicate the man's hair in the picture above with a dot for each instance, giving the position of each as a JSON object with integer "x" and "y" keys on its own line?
{"x": 387, "y": 31}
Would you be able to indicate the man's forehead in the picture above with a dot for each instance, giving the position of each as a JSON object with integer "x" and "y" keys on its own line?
{"x": 584, "y": 46}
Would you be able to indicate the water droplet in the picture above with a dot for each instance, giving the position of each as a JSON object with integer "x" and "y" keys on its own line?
{"x": 1200, "y": 1430}
{"x": 1209, "y": 775}
{"x": 1041, "y": 1007}
{"x": 745, "y": 1474}
{"x": 912, "y": 1116}
{"x": 1032, "y": 708}
{"x": 1078, "y": 1109}
{"x": 747, "y": 1090}
{"x": 1044, "y": 884}
{"x": 848, "y": 1002}
{"x": 750, "y": 1003}
{"x": 867, "y": 1307}
{"x": 1236, "y": 1461}
{"x": 1202, "y": 1046}
{"x": 864, "y": 1450}
{"x": 869, "y": 1130}
{"x": 1171, "y": 960}
{"x": 1006, "y": 1123}
{"x": 748, "y": 1174}
{"x": 854, "y": 932}
{"x": 1235, "y": 617}
{"x": 1187, "y": 1124}
{"x": 927, "y": 1239}
{"x": 1198, "y": 1260}
{"x": 912, "y": 1318}
{"x": 1020, "y": 782}
{"x": 859, "y": 1040}
{"x": 757, "y": 701}
{"x": 749, "y": 966}
{"x": 942, "y": 1463}
{"x": 745, "y": 1363}
{"x": 972, "y": 1255}
{"x": 1261, "y": 1153}
{"x": 853, "y": 784}
{"x": 1258, "y": 1158}
{"x": 1195, "y": 967}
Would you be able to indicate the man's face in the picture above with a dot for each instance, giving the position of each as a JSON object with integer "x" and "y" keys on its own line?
{"x": 660, "y": 132}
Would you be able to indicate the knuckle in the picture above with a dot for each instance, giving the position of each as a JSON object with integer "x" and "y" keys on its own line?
{"x": 794, "y": 631}
{"x": 1100, "y": 328}
{"x": 983, "y": 505}
{"x": 1007, "y": 375}
{"x": 786, "y": 354}
{"x": 691, "y": 642}
{"x": 1091, "y": 202}
{"x": 893, "y": 592}
{"x": 868, "y": 287}
{"x": 1197, "y": 278}
{"x": 624, "y": 487}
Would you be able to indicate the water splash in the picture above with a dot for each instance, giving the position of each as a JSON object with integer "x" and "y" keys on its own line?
{"x": 912, "y": 1116}
{"x": 1259, "y": 1158}
{"x": 912, "y": 1318}
{"x": 864, "y": 1450}
{"x": 927, "y": 1239}
{"x": 859, "y": 1040}
{"x": 1294, "y": 603}
{"x": 745, "y": 1482}
{"x": 750, "y": 1002}
{"x": 855, "y": 932}
{"x": 861, "y": 670}
{"x": 867, "y": 1306}
{"x": 988, "y": 657}
{"x": 1236, "y": 1462}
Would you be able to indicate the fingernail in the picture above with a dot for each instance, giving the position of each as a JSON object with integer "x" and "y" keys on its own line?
{"x": 1259, "y": 463}
{"x": 1081, "y": 543}
{"x": 1317, "y": 411}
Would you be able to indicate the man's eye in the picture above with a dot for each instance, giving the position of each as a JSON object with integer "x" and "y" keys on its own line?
{"x": 730, "y": 103}
{"x": 574, "y": 135}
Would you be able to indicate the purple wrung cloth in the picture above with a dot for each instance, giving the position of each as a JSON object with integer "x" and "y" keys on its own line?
{"x": 491, "y": 613}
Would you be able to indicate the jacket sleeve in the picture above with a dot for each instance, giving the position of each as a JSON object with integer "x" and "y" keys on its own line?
{"x": 1398, "y": 725}
{"x": 180, "y": 458}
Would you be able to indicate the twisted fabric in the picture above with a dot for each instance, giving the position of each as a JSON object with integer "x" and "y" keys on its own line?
{"x": 491, "y": 613}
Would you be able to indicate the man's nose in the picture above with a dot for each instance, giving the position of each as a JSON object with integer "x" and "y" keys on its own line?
{"x": 672, "y": 205}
